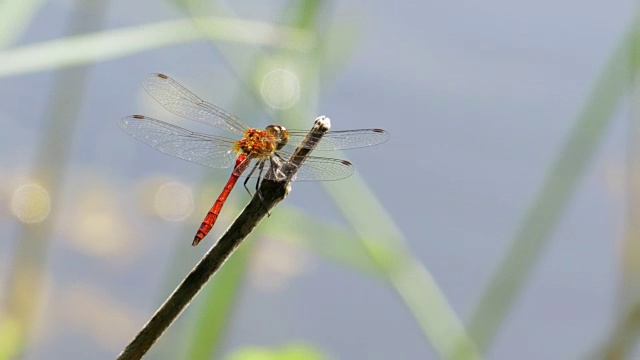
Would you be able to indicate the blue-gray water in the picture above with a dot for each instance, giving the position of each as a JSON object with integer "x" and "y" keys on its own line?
{"x": 478, "y": 97}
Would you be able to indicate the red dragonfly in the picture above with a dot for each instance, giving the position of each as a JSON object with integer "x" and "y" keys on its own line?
{"x": 264, "y": 148}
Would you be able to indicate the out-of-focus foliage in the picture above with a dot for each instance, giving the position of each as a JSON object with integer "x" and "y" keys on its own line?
{"x": 288, "y": 352}
{"x": 289, "y": 66}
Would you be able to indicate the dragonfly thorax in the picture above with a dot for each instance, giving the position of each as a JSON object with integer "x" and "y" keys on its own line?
{"x": 262, "y": 143}
{"x": 280, "y": 135}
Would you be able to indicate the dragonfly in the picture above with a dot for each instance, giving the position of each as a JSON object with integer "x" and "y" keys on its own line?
{"x": 262, "y": 150}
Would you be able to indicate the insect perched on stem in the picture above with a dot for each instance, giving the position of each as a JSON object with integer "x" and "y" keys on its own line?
{"x": 264, "y": 151}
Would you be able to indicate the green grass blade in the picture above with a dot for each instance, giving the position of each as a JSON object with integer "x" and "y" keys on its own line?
{"x": 382, "y": 255}
{"x": 26, "y": 280}
{"x": 296, "y": 227}
{"x": 216, "y": 310}
{"x": 386, "y": 247}
{"x": 413, "y": 283}
{"x": 294, "y": 351}
{"x": 560, "y": 184}
{"x": 623, "y": 337}
{"x": 101, "y": 46}
{"x": 15, "y": 16}
{"x": 221, "y": 301}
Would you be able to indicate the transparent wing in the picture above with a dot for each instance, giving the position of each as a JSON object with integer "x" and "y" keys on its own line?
{"x": 182, "y": 102}
{"x": 323, "y": 169}
{"x": 312, "y": 169}
{"x": 347, "y": 139}
{"x": 208, "y": 150}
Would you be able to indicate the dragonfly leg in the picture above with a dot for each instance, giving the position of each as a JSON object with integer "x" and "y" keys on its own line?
{"x": 249, "y": 176}
{"x": 258, "y": 182}
{"x": 278, "y": 168}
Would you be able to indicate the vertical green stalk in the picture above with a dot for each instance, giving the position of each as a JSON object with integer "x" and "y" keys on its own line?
{"x": 29, "y": 262}
{"x": 413, "y": 283}
{"x": 559, "y": 186}
{"x": 209, "y": 329}
{"x": 214, "y": 316}
{"x": 15, "y": 15}
{"x": 625, "y": 332}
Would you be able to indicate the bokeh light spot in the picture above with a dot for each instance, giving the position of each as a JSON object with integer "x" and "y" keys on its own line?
{"x": 11, "y": 332}
{"x": 99, "y": 233}
{"x": 276, "y": 263}
{"x": 31, "y": 203}
{"x": 95, "y": 224}
{"x": 174, "y": 201}
{"x": 280, "y": 88}
{"x": 95, "y": 312}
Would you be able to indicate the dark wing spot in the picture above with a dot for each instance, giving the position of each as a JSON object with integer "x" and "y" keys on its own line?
{"x": 345, "y": 162}
{"x": 378, "y": 130}
{"x": 137, "y": 116}
{"x": 163, "y": 76}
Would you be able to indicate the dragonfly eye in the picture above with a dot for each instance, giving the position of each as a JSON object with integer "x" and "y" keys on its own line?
{"x": 280, "y": 134}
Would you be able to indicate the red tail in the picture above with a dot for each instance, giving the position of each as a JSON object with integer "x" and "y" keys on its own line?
{"x": 212, "y": 215}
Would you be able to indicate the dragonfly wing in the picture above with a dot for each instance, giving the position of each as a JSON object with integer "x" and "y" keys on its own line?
{"x": 212, "y": 151}
{"x": 336, "y": 140}
{"x": 312, "y": 169}
{"x": 182, "y": 102}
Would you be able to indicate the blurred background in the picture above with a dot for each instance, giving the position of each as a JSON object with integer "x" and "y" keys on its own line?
{"x": 501, "y": 221}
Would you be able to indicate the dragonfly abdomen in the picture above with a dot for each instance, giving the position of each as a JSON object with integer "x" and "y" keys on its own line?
{"x": 212, "y": 215}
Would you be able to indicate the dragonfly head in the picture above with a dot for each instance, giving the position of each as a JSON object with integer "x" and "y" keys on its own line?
{"x": 280, "y": 134}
